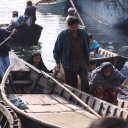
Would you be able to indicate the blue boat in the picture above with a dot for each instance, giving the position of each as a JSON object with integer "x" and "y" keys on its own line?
{"x": 110, "y": 12}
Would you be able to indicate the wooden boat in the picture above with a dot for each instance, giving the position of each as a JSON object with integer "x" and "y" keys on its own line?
{"x": 51, "y": 6}
{"x": 105, "y": 55}
{"x": 50, "y": 103}
{"x": 8, "y": 118}
{"x": 27, "y": 34}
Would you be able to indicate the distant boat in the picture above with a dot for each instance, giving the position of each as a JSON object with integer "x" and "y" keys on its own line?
{"x": 110, "y": 12}
{"x": 51, "y": 6}
{"x": 28, "y": 34}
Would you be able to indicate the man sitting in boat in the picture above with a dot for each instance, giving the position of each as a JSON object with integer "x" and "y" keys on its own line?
{"x": 16, "y": 21}
{"x": 93, "y": 46}
{"x": 106, "y": 81}
{"x": 13, "y": 23}
{"x": 14, "y": 16}
{"x": 30, "y": 13}
{"x": 37, "y": 61}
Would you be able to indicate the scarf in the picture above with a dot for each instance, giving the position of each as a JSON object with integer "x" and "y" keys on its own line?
{"x": 97, "y": 77}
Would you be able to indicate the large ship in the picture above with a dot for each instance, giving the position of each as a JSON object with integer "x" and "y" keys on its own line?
{"x": 110, "y": 12}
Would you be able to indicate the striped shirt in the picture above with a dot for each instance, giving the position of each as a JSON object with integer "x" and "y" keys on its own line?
{"x": 76, "y": 53}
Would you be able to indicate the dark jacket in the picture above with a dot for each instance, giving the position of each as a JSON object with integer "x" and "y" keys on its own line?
{"x": 62, "y": 44}
{"x": 30, "y": 11}
{"x": 4, "y": 48}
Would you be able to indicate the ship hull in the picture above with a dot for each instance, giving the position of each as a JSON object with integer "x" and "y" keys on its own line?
{"x": 112, "y": 13}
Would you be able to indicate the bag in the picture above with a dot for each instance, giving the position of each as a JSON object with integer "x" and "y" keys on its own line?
{"x": 29, "y": 21}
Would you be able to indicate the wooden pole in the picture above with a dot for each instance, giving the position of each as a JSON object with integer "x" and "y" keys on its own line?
{"x": 73, "y": 5}
{"x": 8, "y": 38}
{"x": 72, "y": 94}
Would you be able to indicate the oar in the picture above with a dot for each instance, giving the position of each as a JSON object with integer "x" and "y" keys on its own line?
{"x": 72, "y": 94}
{"x": 8, "y": 38}
{"x": 82, "y": 23}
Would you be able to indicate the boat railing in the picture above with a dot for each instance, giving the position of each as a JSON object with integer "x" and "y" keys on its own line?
{"x": 106, "y": 53}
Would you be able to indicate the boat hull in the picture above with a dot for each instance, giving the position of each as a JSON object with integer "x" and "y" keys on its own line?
{"x": 27, "y": 34}
{"x": 110, "y": 13}
{"x": 51, "y": 7}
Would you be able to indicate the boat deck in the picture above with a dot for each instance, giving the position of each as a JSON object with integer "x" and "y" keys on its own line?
{"x": 56, "y": 110}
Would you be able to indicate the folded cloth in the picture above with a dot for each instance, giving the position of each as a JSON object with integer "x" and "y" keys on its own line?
{"x": 18, "y": 102}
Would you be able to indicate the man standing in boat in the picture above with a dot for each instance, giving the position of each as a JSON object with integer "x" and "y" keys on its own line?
{"x": 30, "y": 12}
{"x": 71, "y": 50}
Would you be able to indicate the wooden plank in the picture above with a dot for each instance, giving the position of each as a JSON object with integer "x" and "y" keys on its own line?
{"x": 118, "y": 112}
{"x": 125, "y": 104}
{"x": 120, "y": 103}
{"x": 47, "y": 99}
{"x": 31, "y": 99}
{"x": 104, "y": 109}
{"x": 59, "y": 99}
{"x": 45, "y": 108}
{"x": 65, "y": 119}
{"x": 124, "y": 115}
{"x": 74, "y": 107}
{"x": 97, "y": 105}
{"x": 53, "y": 108}
{"x": 64, "y": 107}
{"x": 38, "y": 99}
{"x": 110, "y": 111}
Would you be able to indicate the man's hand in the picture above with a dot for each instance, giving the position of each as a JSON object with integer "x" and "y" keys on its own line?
{"x": 57, "y": 68}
